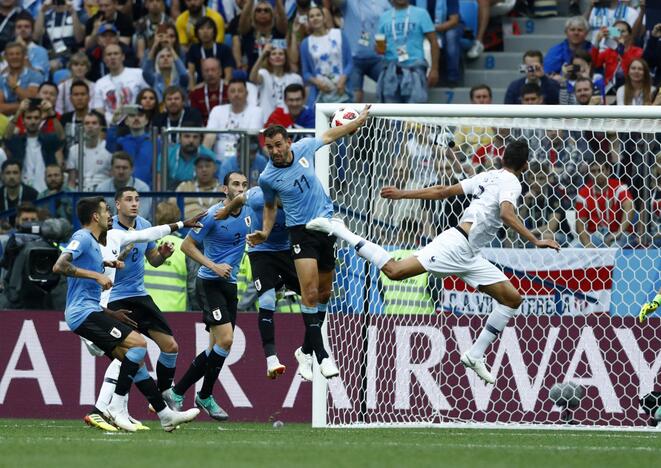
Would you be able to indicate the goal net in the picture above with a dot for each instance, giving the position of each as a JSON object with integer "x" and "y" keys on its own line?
{"x": 575, "y": 352}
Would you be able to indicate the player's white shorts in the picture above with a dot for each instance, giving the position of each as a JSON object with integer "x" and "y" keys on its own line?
{"x": 450, "y": 254}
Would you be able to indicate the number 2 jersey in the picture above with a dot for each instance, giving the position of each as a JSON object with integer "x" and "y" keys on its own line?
{"x": 300, "y": 191}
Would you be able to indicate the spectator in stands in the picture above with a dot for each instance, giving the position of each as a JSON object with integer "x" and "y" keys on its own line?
{"x": 37, "y": 55}
{"x": 531, "y": 93}
{"x": 169, "y": 284}
{"x": 182, "y": 158}
{"x": 79, "y": 101}
{"x": 325, "y": 61}
{"x": 148, "y": 100}
{"x": 580, "y": 67}
{"x": 297, "y": 23}
{"x": 534, "y": 71}
{"x": 146, "y": 27}
{"x": 55, "y": 184}
{"x": 176, "y": 112}
{"x": 17, "y": 81}
{"x": 187, "y": 20}
{"x": 96, "y": 158}
{"x": 449, "y": 29}
{"x": 165, "y": 69}
{"x": 36, "y": 147}
{"x": 604, "y": 209}
{"x": 108, "y": 14}
{"x": 576, "y": 30}
{"x": 120, "y": 86}
{"x": 294, "y": 114}
{"x": 604, "y": 13}
{"x": 542, "y": 210}
{"x": 652, "y": 53}
{"x": 206, "y": 33}
{"x": 257, "y": 163}
{"x": 258, "y": 25}
{"x": 107, "y": 34}
{"x": 79, "y": 66}
{"x": 637, "y": 89}
{"x": 9, "y": 9}
{"x": 59, "y": 29}
{"x": 14, "y": 192}
{"x": 617, "y": 56}
{"x": 584, "y": 93}
{"x": 121, "y": 172}
{"x": 238, "y": 114}
{"x": 484, "y": 14}
{"x": 404, "y": 78}
{"x": 137, "y": 143}
{"x": 212, "y": 92}
{"x": 272, "y": 72}
{"x": 469, "y": 138}
{"x": 360, "y": 23}
{"x": 205, "y": 182}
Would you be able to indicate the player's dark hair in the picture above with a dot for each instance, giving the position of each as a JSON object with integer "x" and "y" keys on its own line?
{"x": 86, "y": 208}
{"x": 516, "y": 154}
{"x": 120, "y": 192}
{"x": 274, "y": 130}
{"x": 226, "y": 179}
{"x": 11, "y": 162}
{"x": 294, "y": 88}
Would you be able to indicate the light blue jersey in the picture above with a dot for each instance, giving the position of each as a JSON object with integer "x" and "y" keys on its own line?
{"x": 405, "y": 29}
{"x": 224, "y": 241}
{"x": 279, "y": 237}
{"x": 83, "y": 295}
{"x": 360, "y": 21}
{"x": 300, "y": 191}
{"x": 130, "y": 280}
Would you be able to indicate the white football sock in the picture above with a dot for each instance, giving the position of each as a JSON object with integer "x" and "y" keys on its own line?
{"x": 272, "y": 361}
{"x": 496, "y": 323}
{"x": 345, "y": 234}
{"x": 373, "y": 253}
{"x": 108, "y": 385}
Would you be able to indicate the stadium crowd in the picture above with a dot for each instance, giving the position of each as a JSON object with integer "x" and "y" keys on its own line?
{"x": 121, "y": 71}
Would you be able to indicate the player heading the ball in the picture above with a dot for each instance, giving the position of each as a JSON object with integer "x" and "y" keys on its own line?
{"x": 290, "y": 176}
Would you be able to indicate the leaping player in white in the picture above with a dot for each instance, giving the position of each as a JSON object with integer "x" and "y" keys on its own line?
{"x": 117, "y": 242}
{"x": 456, "y": 251}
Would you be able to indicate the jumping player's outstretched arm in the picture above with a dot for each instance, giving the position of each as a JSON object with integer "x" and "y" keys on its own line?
{"x": 155, "y": 233}
{"x": 511, "y": 219}
{"x": 269, "y": 214}
{"x": 437, "y": 192}
{"x": 650, "y": 307}
{"x": 333, "y": 134}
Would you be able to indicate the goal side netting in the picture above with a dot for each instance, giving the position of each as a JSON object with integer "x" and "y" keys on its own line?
{"x": 575, "y": 352}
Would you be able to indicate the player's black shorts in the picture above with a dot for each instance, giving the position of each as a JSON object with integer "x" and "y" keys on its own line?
{"x": 313, "y": 244}
{"x": 218, "y": 301}
{"x": 145, "y": 312}
{"x": 273, "y": 270}
{"x": 103, "y": 330}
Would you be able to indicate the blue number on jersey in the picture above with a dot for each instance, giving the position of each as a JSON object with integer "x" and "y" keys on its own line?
{"x": 83, "y": 295}
{"x": 224, "y": 241}
{"x": 300, "y": 191}
{"x": 130, "y": 280}
{"x": 279, "y": 237}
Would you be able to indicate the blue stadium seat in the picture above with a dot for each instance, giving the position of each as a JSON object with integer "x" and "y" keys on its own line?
{"x": 468, "y": 10}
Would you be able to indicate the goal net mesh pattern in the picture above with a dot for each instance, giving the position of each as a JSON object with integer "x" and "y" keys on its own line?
{"x": 398, "y": 344}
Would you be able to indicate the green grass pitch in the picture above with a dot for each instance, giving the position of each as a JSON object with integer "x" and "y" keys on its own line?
{"x": 42, "y": 443}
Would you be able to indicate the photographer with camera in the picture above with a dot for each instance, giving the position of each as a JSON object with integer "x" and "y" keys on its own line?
{"x": 534, "y": 73}
{"x": 36, "y": 147}
{"x": 580, "y": 66}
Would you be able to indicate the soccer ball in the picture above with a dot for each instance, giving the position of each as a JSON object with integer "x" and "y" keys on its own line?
{"x": 343, "y": 116}
{"x": 567, "y": 395}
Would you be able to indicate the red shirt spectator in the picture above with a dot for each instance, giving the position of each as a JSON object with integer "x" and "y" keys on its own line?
{"x": 602, "y": 207}
{"x": 610, "y": 60}
{"x": 206, "y": 98}
{"x": 488, "y": 154}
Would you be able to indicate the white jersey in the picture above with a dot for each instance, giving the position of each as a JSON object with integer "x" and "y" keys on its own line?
{"x": 489, "y": 189}
{"x": 117, "y": 239}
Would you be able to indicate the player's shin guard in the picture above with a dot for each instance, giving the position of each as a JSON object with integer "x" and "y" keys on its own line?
{"x": 372, "y": 253}
{"x": 313, "y": 332}
{"x": 215, "y": 362}
{"x": 148, "y": 388}
{"x": 496, "y": 323}
{"x": 265, "y": 321}
{"x": 108, "y": 386}
{"x": 130, "y": 365}
{"x": 165, "y": 369}
{"x": 194, "y": 373}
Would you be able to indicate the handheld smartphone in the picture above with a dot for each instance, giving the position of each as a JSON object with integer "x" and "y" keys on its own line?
{"x": 614, "y": 32}
{"x": 130, "y": 109}
{"x": 35, "y": 102}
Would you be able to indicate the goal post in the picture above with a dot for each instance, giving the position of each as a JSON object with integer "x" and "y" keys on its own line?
{"x": 574, "y": 354}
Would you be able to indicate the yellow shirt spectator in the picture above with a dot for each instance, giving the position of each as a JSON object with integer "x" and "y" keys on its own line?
{"x": 186, "y": 26}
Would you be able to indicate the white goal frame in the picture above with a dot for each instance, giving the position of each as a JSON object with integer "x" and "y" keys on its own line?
{"x": 646, "y": 115}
